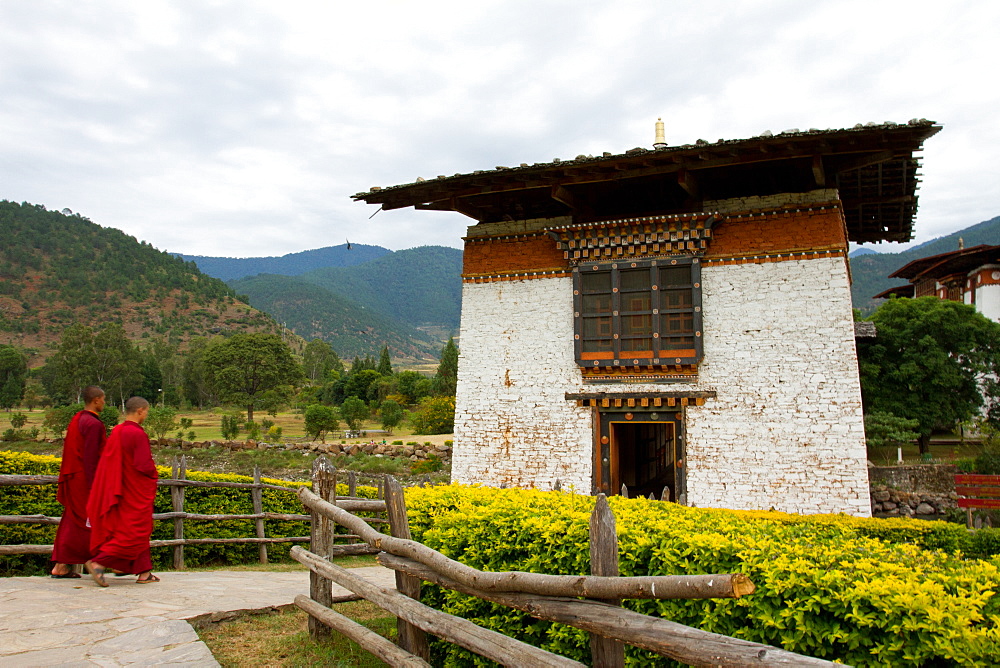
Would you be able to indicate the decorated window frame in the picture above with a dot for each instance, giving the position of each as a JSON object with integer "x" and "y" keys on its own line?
{"x": 638, "y": 313}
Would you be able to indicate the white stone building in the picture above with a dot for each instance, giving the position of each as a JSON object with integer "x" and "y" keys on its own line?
{"x": 677, "y": 318}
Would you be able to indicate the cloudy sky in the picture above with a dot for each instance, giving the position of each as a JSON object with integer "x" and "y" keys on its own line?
{"x": 241, "y": 128}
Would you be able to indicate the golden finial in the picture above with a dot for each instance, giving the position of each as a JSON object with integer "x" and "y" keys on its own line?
{"x": 661, "y": 141}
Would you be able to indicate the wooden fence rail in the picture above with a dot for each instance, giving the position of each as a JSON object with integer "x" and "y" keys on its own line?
{"x": 550, "y": 597}
{"x": 178, "y": 482}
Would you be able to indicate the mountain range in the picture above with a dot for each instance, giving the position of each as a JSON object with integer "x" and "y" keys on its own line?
{"x": 59, "y": 269}
{"x": 409, "y": 300}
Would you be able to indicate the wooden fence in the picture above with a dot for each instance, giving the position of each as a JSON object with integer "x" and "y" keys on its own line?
{"x": 178, "y": 482}
{"x": 591, "y": 603}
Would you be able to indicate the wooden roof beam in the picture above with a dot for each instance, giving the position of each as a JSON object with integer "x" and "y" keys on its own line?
{"x": 563, "y": 196}
{"x": 819, "y": 174}
{"x": 690, "y": 185}
{"x": 465, "y": 208}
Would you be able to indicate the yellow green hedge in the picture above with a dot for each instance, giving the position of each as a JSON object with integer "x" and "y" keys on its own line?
{"x": 826, "y": 585}
{"x": 41, "y": 500}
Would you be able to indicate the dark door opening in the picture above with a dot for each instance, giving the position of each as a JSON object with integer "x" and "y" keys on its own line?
{"x": 643, "y": 451}
{"x": 645, "y": 456}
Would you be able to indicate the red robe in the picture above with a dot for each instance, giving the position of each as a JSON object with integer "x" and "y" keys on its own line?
{"x": 121, "y": 501}
{"x": 81, "y": 451}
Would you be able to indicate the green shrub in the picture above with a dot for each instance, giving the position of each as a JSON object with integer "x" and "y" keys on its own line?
{"x": 824, "y": 588}
{"x": 18, "y": 420}
{"x": 230, "y": 426}
{"x": 430, "y": 465}
{"x": 397, "y": 442}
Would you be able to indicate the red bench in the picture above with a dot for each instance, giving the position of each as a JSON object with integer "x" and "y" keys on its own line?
{"x": 977, "y": 491}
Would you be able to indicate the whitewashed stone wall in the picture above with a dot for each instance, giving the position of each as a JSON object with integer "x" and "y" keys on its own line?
{"x": 785, "y": 431}
{"x": 513, "y": 424}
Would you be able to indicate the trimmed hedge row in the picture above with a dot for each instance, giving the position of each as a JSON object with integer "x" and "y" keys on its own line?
{"x": 865, "y": 592}
{"x": 41, "y": 500}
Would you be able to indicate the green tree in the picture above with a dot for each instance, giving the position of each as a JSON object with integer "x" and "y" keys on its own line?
{"x": 57, "y": 418}
{"x": 391, "y": 414}
{"x": 13, "y": 376}
{"x": 160, "y": 421}
{"x": 74, "y": 361}
{"x": 198, "y": 385}
{"x": 446, "y": 379}
{"x": 18, "y": 420}
{"x": 105, "y": 357}
{"x": 354, "y": 411}
{"x": 434, "y": 415}
{"x": 116, "y": 363}
{"x": 31, "y": 397}
{"x": 931, "y": 361}
{"x": 883, "y": 430}
{"x": 413, "y": 385}
{"x": 230, "y": 426}
{"x": 384, "y": 363}
{"x": 110, "y": 416}
{"x": 151, "y": 386}
{"x": 245, "y": 366}
{"x": 319, "y": 359}
{"x": 320, "y": 419}
{"x": 359, "y": 384}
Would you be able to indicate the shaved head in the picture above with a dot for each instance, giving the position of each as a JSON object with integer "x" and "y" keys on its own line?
{"x": 135, "y": 404}
{"x": 91, "y": 392}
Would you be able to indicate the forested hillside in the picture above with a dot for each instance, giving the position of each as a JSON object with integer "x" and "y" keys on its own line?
{"x": 422, "y": 286}
{"x": 351, "y": 329}
{"x": 59, "y": 269}
{"x": 292, "y": 264}
{"x": 870, "y": 271}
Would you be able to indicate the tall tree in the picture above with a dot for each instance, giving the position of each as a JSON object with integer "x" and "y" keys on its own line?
{"x": 384, "y": 363}
{"x": 74, "y": 361}
{"x": 934, "y": 361}
{"x": 446, "y": 380}
{"x": 245, "y": 367}
{"x": 319, "y": 359}
{"x": 105, "y": 357}
{"x": 198, "y": 381}
{"x": 117, "y": 365}
{"x": 13, "y": 376}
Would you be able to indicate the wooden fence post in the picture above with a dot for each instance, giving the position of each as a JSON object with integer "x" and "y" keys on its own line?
{"x": 324, "y": 485}
{"x": 257, "y": 495}
{"x": 606, "y": 653}
{"x": 411, "y": 639}
{"x": 177, "y": 505}
{"x": 352, "y": 483}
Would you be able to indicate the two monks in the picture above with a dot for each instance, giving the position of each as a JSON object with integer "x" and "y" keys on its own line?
{"x": 82, "y": 450}
{"x": 120, "y": 506}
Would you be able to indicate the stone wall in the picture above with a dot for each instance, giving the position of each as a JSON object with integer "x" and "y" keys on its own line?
{"x": 926, "y": 490}
{"x": 785, "y": 430}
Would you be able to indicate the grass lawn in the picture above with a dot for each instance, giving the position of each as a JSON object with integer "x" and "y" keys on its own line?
{"x": 282, "y": 639}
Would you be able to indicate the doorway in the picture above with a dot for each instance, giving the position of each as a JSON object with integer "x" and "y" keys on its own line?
{"x": 642, "y": 451}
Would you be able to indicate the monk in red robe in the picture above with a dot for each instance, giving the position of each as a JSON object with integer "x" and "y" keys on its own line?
{"x": 121, "y": 501}
{"x": 81, "y": 451}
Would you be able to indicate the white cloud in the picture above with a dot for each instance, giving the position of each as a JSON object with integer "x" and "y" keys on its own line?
{"x": 241, "y": 128}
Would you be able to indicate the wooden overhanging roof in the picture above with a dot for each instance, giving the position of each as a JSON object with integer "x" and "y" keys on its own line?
{"x": 961, "y": 261}
{"x": 873, "y": 167}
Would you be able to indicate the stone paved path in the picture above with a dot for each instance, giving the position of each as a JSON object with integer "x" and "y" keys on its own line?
{"x": 70, "y": 623}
